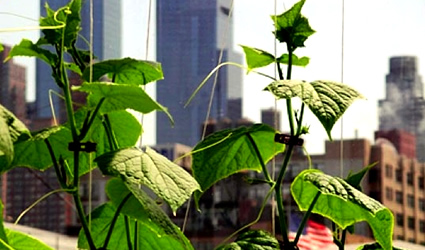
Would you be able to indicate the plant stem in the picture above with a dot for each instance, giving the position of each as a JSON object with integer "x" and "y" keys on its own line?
{"x": 61, "y": 178}
{"x": 110, "y": 133}
{"x": 114, "y": 220}
{"x": 82, "y": 216}
{"x": 127, "y": 232}
{"x": 87, "y": 126}
{"x": 305, "y": 218}
{"x": 260, "y": 159}
{"x": 136, "y": 235}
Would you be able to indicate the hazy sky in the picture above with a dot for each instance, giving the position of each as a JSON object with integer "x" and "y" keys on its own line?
{"x": 373, "y": 32}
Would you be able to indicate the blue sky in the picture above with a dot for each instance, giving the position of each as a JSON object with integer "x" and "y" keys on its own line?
{"x": 373, "y": 32}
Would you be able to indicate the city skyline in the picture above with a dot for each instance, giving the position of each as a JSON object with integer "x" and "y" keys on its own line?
{"x": 372, "y": 36}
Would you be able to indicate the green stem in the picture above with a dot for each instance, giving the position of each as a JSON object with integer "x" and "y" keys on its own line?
{"x": 114, "y": 220}
{"x": 77, "y": 58}
{"x": 300, "y": 120}
{"x": 82, "y": 216}
{"x": 343, "y": 236}
{"x": 136, "y": 235}
{"x": 86, "y": 127}
{"x": 260, "y": 158}
{"x": 110, "y": 133}
{"x": 305, "y": 218}
{"x": 127, "y": 232}
{"x": 61, "y": 178}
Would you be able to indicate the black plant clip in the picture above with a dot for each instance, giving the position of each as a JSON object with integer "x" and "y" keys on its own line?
{"x": 288, "y": 139}
{"x": 82, "y": 146}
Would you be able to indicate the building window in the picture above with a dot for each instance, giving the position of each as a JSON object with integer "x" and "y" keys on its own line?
{"x": 389, "y": 171}
{"x": 389, "y": 193}
{"x": 410, "y": 179}
{"x": 422, "y": 204}
{"x": 411, "y": 223}
{"x": 400, "y": 237}
{"x": 399, "y": 197}
{"x": 411, "y": 240}
{"x": 411, "y": 200}
{"x": 400, "y": 220}
{"x": 422, "y": 226}
{"x": 421, "y": 183}
{"x": 399, "y": 175}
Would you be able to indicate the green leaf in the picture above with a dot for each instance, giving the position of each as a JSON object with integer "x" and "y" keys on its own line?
{"x": 3, "y": 237}
{"x": 73, "y": 67}
{"x": 230, "y": 151}
{"x": 125, "y": 126}
{"x": 156, "y": 231}
{"x": 27, "y": 48}
{"x": 120, "y": 97}
{"x": 326, "y": 99}
{"x": 126, "y": 70}
{"x": 69, "y": 15}
{"x": 167, "y": 179}
{"x": 253, "y": 239}
{"x": 11, "y": 129}
{"x": 21, "y": 241}
{"x": 376, "y": 246}
{"x": 1, "y": 47}
{"x": 257, "y": 58}
{"x": 342, "y": 203}
{"x": 356, "y": 178}
{"x": 33, "y": 152}
{"x": 291, "y": 27}
{"x": 303, "y": 61}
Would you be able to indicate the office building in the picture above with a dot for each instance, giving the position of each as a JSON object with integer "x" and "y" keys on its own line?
{"x": 190, "y": 36}
{"x": 404, "y": 106}
{"x": 271, "y": 117}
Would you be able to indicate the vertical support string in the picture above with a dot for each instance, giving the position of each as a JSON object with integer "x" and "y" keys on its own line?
{"x": 90, "y": 191}
{"x": 341, "y": 148}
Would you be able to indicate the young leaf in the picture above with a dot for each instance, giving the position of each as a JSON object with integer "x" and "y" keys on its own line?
{"x": 11, "y": 129}
{"x": 291, "y": 27}
{"x": 230, "y": 151}
{"x": 356, "y": 178}
{"x": 303, "y": 61}
{"x": 120, "y": 97}
{"x": 27, "y": 48}
{"x": 19, "y": 240}
{"x": 342, "y": 203}
{"x": 257, "y": 58}
{"x": 326, "y": 99}
{"x": 34, "y": 153}
{"x": 253, "y": 239}
{"x": 126, "y": 70}
{"x": 69, "y": 16}
{"x": 167, "y": 179}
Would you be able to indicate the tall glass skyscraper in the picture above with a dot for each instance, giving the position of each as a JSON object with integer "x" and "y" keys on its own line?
{"x": 190, "y": 35}
{"x": 106, "y": 45}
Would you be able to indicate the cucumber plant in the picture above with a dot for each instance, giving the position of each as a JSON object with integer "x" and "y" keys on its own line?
{"x": 104, "y": 128}
{"x": 227, "y": 152}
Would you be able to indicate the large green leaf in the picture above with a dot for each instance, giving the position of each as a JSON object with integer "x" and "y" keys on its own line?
{"x": 303, "y": 61}
{"x": 342, "y": 203}
{"x": 126, "y": 129}
{"x": 291, "y": 27}
{"x": 156, "y": 231}
{"x": 11, "y": 129}
{"x": 257, "y": 58}
{"x": 68, "y": 15}
{"x": 167, "y": 179}
{"x": 253, "y": 239}
{"x": 126, "y": 70}
{"x": 33, "y": 152}
{"x": 21, "y": 241}
{"x": 27, "y": 48}
{"x": 120, "y": 97}
{"x": 230, "y": 151}
{"x": 326, "y": 99}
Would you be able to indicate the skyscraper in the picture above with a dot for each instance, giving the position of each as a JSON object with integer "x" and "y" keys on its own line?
{"x": 190, "y": 35}
{"x": 106, "y": 45}
{"x": 404, "y": 105}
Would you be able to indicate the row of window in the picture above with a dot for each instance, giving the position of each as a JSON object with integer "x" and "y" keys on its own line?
{"x": 399, "y": 176}
{"x": 399, "y": 198}
{"x": 411, "y": 222}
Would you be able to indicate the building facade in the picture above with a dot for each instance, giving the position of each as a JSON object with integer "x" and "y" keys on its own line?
{"x": 404, "y": 106}
{"x": 190, "y": 35}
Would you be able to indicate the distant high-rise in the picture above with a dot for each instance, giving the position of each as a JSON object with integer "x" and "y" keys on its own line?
{"x": 271, "y": 117}
{"x": 404, "y": 105}
{"x": 190, "y": 35}
{"x": 106, "y": 45}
